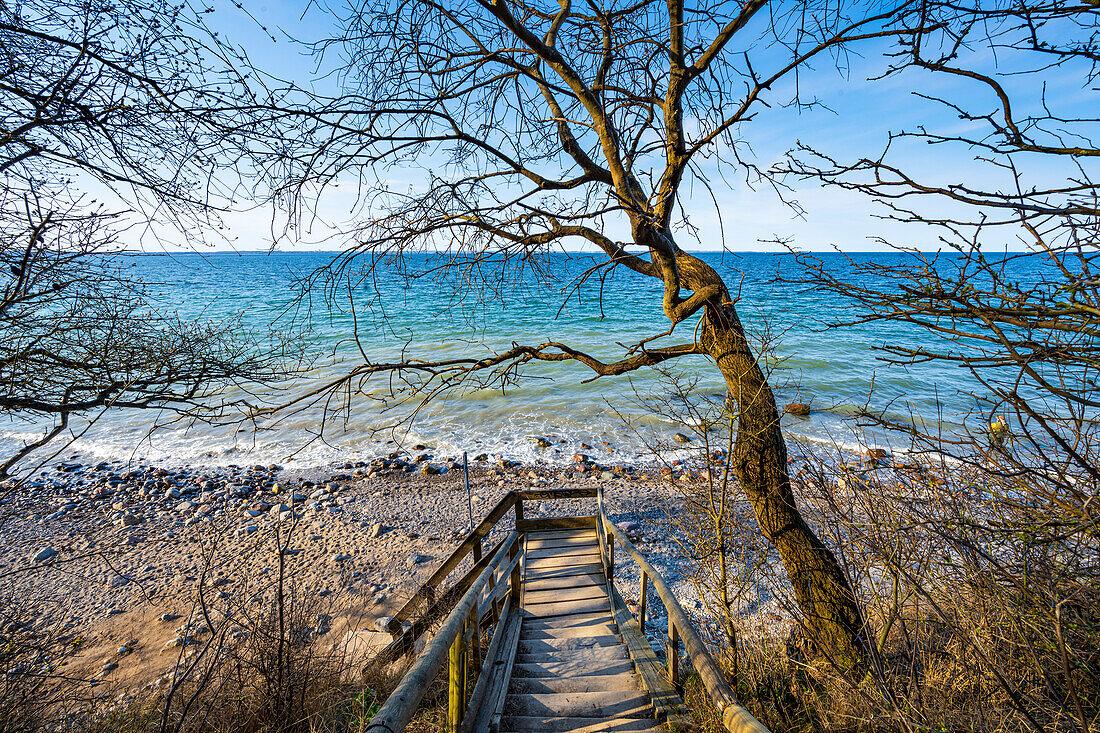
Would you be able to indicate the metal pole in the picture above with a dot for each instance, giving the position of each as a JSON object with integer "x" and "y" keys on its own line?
{"x": 469, "y": 496}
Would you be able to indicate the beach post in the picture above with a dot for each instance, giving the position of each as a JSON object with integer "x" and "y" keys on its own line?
{"x": 469, "y": 497}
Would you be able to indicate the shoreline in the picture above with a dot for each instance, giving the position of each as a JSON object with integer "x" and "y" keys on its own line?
{"x": 121, "y": 563}
{"x": 117, "y": 565}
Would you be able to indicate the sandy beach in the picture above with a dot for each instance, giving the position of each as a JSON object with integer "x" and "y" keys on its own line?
{"x": 123, "y": 564}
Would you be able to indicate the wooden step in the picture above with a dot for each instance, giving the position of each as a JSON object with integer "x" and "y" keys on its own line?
{"x": 567, "y": 608}
{"x": 551, "y": 534}
{"x": 571, "y": 668}
{"x": 527, "y": 724}
{"x": 564, "y": 594}
{"x": 600, "y": 653}
{"x": 564, "y": 551}
{"x": 567, "y": 645}
{"x": 593, "y": 683}
{"x": 570, "y": 541}
{"x": 545, "y": 562}
{"x": 580, "y": 580}
{"x": 571, "y": 633}
{"x": 602, "y": 705}
{"x": 562, "y": 571}
{"x": 577, "y": 620}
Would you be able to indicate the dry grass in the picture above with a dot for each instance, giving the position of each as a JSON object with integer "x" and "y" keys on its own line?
{"x": 982, "y": 606}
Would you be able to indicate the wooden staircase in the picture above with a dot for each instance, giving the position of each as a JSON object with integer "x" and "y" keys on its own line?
{"x": 565, "y": 653}
{"x": 572, "y": 671}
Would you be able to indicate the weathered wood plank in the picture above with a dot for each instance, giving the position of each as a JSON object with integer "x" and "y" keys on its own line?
{"x": 667, "y": 704}
{"x": 425, "y": 594}
{"x": 583, "y": 580}
{"x": 498, "y": 675}
{"x": 559, "y": 561}
{"x": 564, "y": 594}
{"x": 542, "y": 724}
{"x": 567, "y": 551}
{"x": 594, "y": 683}
{"x": 599, "y": 654}
{"x": 566, "y": 608}
{"x": 604, "y": 705}
{"x": 561, "y": 572}
{"x": 575, "y": 632}
{"x": 567, "y": 645}
{"x": 572, "y": 540}
{"x": 571, "y": 668}
{"x": 552, "y": 534}
{"x": 585, "y": 492}
{"x": 564, "y": 622}
{"x": 529, "y": 525}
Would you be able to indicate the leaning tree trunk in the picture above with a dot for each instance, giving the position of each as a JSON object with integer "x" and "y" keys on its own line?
{"x": 759, "y": 462}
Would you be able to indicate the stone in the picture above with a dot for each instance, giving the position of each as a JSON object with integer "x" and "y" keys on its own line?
{"x": 681, "y": 438}
{"x": 799, "y": 409}
{"x": 375, "y": 530}
{"x": 382, "y": 622}
{"x": 580, "y": 458}
{"x": 539, "y": 441}
{"x": 431, "y": 469}
{"x": 185, "y": 506}
{"x": 340, "y": 557}
{"x": 46, "y": 553}
{"x": 629, "y": 527}
{"x": 129, "y": 520}
{"x": 417, "y": 559}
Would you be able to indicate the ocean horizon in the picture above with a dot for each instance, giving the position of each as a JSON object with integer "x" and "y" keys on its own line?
{"x": 838, "y": 372}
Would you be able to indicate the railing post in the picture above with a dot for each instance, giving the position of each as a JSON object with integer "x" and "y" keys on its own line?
{"x": 642, "y": 600}
{"x": 473, "y": 657}
{"x": 456, "y": 697}
{"x": 610, "y": 566}
{"x": 672, "y": 653}
{"x": 516, "y": 578}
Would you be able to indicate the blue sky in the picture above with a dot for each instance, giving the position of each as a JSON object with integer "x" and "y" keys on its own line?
{"x": 859, "y": 117}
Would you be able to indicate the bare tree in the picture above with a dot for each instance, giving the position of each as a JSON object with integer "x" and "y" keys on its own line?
{"x": 122, "y": 101}
{"x": 543, "y": 126}
{"x": 1022, "y": 324}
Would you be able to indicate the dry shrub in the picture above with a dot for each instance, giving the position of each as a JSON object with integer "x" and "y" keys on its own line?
{"x": 981, "y": 594}
{"x": 34, "y": 652}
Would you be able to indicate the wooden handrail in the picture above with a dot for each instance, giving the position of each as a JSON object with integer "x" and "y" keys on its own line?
{"x": 426, "y": 593}
{"x": 402, "y": 703}
{"x": 735, "y": 717}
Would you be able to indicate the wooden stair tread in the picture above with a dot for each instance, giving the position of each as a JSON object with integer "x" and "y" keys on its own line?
{"x": 562, "y": 571}
{"x": 580, "y": 683}
{"x": 572, "y": 560}
{"x": 574, "y": 632}
{"x": 596, "y": 653}
{"x": 567, "y": 608}
{"x": 571, "y": 668}
{"x": 602, "y": 705}
{"x": 557, "y": 582}
{"x": 568, "y": 645}
{"x": 526, "y": 724}
{"x": 569, "y": 621}
{"x": 564, "y": 594}
{"x": 563, "y": 551}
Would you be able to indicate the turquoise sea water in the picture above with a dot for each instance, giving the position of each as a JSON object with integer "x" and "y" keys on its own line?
{"x": 438, "y": 315}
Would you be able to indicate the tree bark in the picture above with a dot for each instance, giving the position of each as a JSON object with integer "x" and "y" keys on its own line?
{"x": 759, "y": 461}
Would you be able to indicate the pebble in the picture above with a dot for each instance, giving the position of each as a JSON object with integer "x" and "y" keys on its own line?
{"x": 46, "y": 553}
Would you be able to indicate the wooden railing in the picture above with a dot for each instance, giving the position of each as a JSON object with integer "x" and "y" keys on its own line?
{"x": 488, "y": 594}
{"x": 735, "y": 717}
